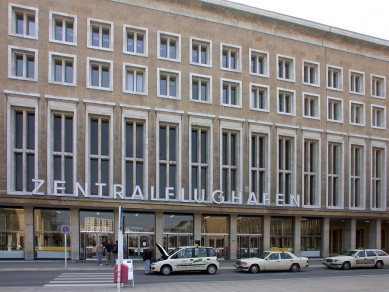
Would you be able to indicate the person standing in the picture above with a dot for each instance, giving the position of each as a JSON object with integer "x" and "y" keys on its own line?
{"x": 147, "y": 258}
{"x": 115, "y": 251}
{"x": 109, "y": 248}
{"x": 99, "y": 253}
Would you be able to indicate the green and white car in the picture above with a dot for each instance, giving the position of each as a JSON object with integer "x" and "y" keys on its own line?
{"x": 186, "y": 258}
{"x": 358, "y": 258}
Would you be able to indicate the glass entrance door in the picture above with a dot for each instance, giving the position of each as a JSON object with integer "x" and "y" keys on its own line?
{"x": 89, "y": 241}
{"x": 248, "y": 245}
{"x": 217, "y": 241}
{"x": 137, "y": 242}
{"x": 173, "y": 240}
{"x": 335, "y": 241}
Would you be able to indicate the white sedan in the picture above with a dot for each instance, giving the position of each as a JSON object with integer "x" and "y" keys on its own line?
{"x": 272, "y": 260}
{"x": 358, "y": 258}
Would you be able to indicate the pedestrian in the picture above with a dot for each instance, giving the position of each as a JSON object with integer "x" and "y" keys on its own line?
{"x": 108, "y": 249}
{"x": 115, "y": 251}
{"x": 147, "y": 258}
{"x": 99, "y": 253}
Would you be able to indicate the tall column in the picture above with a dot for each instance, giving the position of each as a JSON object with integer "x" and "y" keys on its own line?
{"x": 375, "y": 234}
{"x": 29, "y": 246}
{"x": 197, "y": 228}
{"x": 325, "y": 238}
{"x": 297, "y": 235}
{"x": 115, "y": 223}
{"x": 266, "y": 233}
{"x": 350, "y": 226}
{"x": 75, "y": 234}
{"x": 233, "y": 237}
{"x": 158, "y": 231}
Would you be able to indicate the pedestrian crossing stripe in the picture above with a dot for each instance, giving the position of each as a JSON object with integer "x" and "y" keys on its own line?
{"x": 82, "y": 279}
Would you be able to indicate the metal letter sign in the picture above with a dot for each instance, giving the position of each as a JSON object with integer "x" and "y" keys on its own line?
{"x": 65, "y": 229}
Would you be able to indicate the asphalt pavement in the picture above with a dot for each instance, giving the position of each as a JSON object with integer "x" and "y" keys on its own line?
{"x": 377, "y": 282}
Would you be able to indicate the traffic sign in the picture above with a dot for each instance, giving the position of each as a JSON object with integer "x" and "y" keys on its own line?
{"x": 65, "y": 229}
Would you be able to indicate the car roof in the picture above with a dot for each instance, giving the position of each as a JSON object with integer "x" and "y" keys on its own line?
{"x": 194, "y": 246}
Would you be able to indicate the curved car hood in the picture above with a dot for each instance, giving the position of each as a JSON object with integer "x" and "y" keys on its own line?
{"x": 162, "y": 251}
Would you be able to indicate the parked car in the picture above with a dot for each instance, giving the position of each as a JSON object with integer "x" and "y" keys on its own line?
{"x": 272, "y": 260}
{"x": 186, "y": 258}
{"x": 358, "y": 258}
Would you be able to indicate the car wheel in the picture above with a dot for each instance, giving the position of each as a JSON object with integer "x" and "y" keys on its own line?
{"x": 254, "y": 269}
{"x": 346, "y": 266}
{"x": 211, "y": 269}
{"x": 295, "y": 268}
{"x": 166, "y": 270}
{"x": 378, "y": 265}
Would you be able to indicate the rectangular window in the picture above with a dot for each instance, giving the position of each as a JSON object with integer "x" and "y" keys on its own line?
{"x": 286, "y": 102}
{"x": 285, "y": 167}
{"x": 63, "y": 28}
{"x": 23, "y": 21}
{"x": 62, "y": 69}
{"x": 378, "y": 85}
{"x": 168, "y": 158}
{"x": 201, "y": 88}
{"x": 334, "y": 78}
{"x": 199, "y": 163}
{"x": 357, "y": 82}
{"x": 356, "y": 183}
{"x": 230, "y": 57}
{"x": 310, "y": 172}
{"x": 230, "y": 93}
{"x": 135, "y": 40}
{"x": 334, "y": 110}
{"x": 259, "y": 63}
{"x": 357, "y": 113}
{"x": 258, "y": 165}
{"x": 230, "y": 162}
{"x": 169, "y": 84}
{"x": 169, "y": 46}
{"x": 135, "y": 79}
{"x": 311, "y": 73}
{"x": 285, "y": 69}
{"x": 334, "y": 167}
{"x": 100, "y": 74}
{"x": 100, "y": 34}
{"x": 23, "y": 149}
{"x": 378, "y": 117}
{"x": 134, "y": 156}
{"x": 22, "y": 63}
{"x": 259, "y": 97}
{"x": 201, "y": 52}
{"x": 99, "y": 155}
{"x": 377, "y": 177}
{"x": 311, "y": 106}
{"x": 63, "y": 152}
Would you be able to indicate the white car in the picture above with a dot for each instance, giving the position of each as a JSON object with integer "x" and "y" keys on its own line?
{"x": 186, "y": 258}
{"x": 358, "y": 258}
{"x": 272, "y": 260}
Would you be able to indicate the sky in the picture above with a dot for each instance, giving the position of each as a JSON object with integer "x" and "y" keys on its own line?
{"x": 365, "y": 17}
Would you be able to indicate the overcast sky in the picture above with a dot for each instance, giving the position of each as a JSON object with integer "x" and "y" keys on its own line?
{"x": 366, "y": 17}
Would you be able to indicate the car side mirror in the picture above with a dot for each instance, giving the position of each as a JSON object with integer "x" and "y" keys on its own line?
{"x": 267, "y": 259}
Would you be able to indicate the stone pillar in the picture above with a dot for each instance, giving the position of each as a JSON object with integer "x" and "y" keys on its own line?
{"x": 29, "y": 244}
{"x": 196, "y": 228}
{"x": 232, "y": 248}
{"x": 375, "y": 234}
{"x": 325, "y": 238}
{"x": 74, "y": 234}
{"x": 350, "y": 226}
{"x": 266, "y": 232}
{"x": 297, "y": 235}
{"x": 158, "y": 231}
{"x": 115, "y": 223}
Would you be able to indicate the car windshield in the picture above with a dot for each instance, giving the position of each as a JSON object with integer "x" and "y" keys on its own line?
{"x": 173, "y": 251}
{"x": 263, "y": 255}
{"x": 349, "y": 253}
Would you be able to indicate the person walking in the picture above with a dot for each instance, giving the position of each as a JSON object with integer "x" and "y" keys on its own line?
{"x": 108, "y": 249}
{"x": 147, "y": 258}
{"x": 99, "y": 253}
{"x": 115, "y": 250}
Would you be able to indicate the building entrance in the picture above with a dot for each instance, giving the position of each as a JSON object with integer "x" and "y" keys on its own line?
{"x": 248, "y": 245}
{"x": 173, "y": 240}
{"x": 136, "y": 243}
{"x": 88, "y": 241}
{"x": 217, "y": 241}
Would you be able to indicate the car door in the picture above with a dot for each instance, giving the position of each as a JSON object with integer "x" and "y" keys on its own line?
{"x": 272, "y": 262}
{"x": 181, "y": 260}
{"x": 286, "y": 261}
{"x": 360, "y": 259}
{"x": 371, "y": 258}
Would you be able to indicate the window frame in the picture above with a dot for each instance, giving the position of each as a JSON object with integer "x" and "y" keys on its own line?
{"x": 338, "y": 101}
{"x": 383, "y": 116}
{"x": 99, "y": 62}
{"x": 265, "y": 55}
{"x": 362, "y": 176}
{"x": 381, "y": 146}
{"x": 63, "y": 57}
{"x": 101, "y": 24}
{"x": 264, "y": 88}
{"x": 201, "y": 42}
{"x": 337, "y": 141}
{"x": 208, "y": 78}
{"x": 361, "y": 75}
{"x": 312, "y": 139}
{"x": 169, "y": 36}
{"x": 382, "y": 86}
{"x": 178, "y": 83}
{"x": 12, "y": 10}
{"x": 53, "y": 17}
{"x": 238, "y": 60}
{"x": 360, "y": 105}
{"x": 144, "y": 69}
{"x": 231, "y": 82}
{"x": 317, "y": 105}
{"x": 292, "y": 70}
{"x": 12, "y": 51}
{"x": 293, "y": 101}
{"x": 316, "y": 65}
{"x": 135, "y": 29}
{"x": 339, "y": 79}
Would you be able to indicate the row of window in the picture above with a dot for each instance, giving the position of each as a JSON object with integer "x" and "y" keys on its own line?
{"x": 366, "y": 164}
{"x": 63, "y": 29}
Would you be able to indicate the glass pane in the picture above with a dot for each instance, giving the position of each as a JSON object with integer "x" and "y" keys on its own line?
{"x": 163, "y": 86}
{"x": 30, "y": 67}
{"x": 129, "y": 178}
{"x": 172, "y": 144}
{"x": 57, "y": 168}
{"x": 172, "y": 50}
{"x": 139, "y": 175}
{"x": 203, "y": 55}
{"x": 94, "y": 168}
{"x": 95, "y": 36}
{"x": 104, "y": 137}
{"x": 58, "y": 30}
{"x": 18, "y": 130}
{"x": 19, "y": 23}
{"x": 194, "y": 145}
{"x": 31, "y": 25}
{"x": 139, "y": 44}
{"x": 69, "y": 134}
{"x": 130, "y": 42}
{"x": 173, "y": 223}
{"x": 69, "y": 31}
{"x": 139, "y": 140}
{"x": 203, "y": 147}
{"x": 105, "y": 38}
{"x": 69, "y": 175}
{"x": 94, "y": 136}
{"x": 19, "y": 66}
{"x": 195, "y": 53}
{"x": 68, "y": 72}
{"x": 129, "y": 140}
{"x": 57, "y": 133}
{"x": 204, "y": 91}
{"x": 13, "y": 220}
{"x": 130, "y": 80}
{"x": 105, "y": 176}
{"x": 50, "y": 220}
{"x": 58, "y": 71}
{"x": 30, "y": 172}
{"x": 163, "y": 48}
{"x": 195, "y": 89}
{"x": 19, "y": 172}
{"x": 224, "y": 149}
{"x": 95, "y": 76}
{"x": 215, "y": 224}
{"x": 162, "y": 180}
{"x": 105, "y": 77}
{"x": 31, "y": 131}
{"x": 162, "y": 143}
{"x": 139, "y": 82}
{"x": 172, "y": 86}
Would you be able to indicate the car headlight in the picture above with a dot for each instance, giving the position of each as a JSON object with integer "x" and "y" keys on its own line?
{"x": 244, "y": 264}
{"x": 336, "y": 261}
